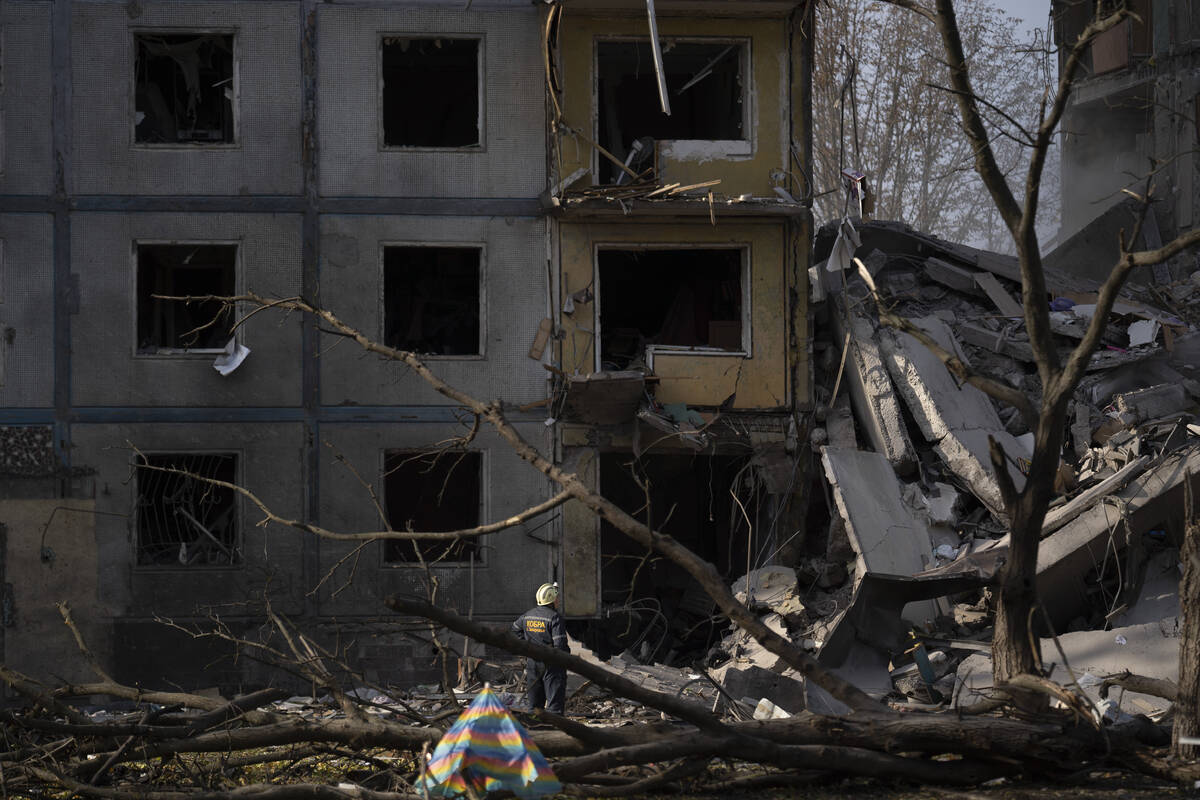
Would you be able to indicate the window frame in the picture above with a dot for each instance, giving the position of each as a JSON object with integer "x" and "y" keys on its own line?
{"x": 239, "y": 511}
{"x": 479, "y": 246}
{"x": 480, "y": 551}
{"x": 235, "y": 45}
{"x": 731, "y": 149}
{"x": 175, "y": 352}
{"x": 745, "y": 276}
{"x": 480, "y": 100}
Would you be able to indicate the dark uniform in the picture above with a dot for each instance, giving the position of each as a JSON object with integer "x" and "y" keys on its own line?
{"x": 545, "y": 685}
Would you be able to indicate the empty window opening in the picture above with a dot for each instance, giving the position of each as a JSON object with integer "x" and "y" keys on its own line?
{"x": 182, "y": 521}
{"x": 679, "y": 297}
{"x": 183, "y": 270}
{"x": 430, "y": 92}
{"x": 653, "y": 605}
{"x": 432, "y": 493}
{"x": 184, "y": 86}
{"x": 431, "y": 299}
{"x": 704, "y": 83}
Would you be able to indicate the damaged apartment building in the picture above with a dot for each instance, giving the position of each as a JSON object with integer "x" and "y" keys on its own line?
{"x": 1133, "y": 116}
{"x": 499, "y": 187}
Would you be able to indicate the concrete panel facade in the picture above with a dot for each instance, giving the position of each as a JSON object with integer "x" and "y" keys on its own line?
{"x": 26, "y": 294}
{"x": 264, "y": 159}
{"x": 514, "y": 561}
{"x": 513, "y": 300}
{"x": 106, "y": 369}
{"x": 509, "y": 163}
{"x": 26, "y": 165}
{"x": 268, "y": 466}
{"x": 50, "y": 557}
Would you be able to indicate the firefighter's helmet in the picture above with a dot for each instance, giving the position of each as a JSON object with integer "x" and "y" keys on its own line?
{"x": 547, "y": 593}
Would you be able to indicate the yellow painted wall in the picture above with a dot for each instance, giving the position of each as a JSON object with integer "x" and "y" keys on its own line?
{"x": 768, "y": 94}
{"x": 761, "y": 381}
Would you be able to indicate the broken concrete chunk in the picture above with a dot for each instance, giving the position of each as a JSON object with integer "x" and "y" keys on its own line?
{"x": 886, "y": 537}
{"x": 772, "y": 588}
{"x": 1152, "y": 403}
{"x": 871, "y": 391}
{"x": 1067, "y": 557}
{"x": 783, "y": 691}
{"x": 1150, "y": 650}
{"x": 956, "y": 419}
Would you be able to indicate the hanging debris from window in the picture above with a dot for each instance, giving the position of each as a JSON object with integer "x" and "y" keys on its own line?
{"x": 184, "y": 87}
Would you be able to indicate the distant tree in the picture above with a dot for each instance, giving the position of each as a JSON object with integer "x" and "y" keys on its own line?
{"x": 882, "y": 105}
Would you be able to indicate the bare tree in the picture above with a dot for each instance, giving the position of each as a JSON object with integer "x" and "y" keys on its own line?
{"x": 881, "y": 105}
{"x": 1014, "y": 647}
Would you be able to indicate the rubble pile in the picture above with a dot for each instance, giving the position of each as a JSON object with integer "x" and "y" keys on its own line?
{"x": 899, "y": 604}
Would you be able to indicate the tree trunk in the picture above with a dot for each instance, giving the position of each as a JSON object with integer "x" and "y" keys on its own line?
{"x": 1187, "y": 707}
{"x": 1015, "y": 648}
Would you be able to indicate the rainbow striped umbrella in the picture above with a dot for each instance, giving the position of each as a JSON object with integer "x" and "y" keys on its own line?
{"x": 486, "y": 750}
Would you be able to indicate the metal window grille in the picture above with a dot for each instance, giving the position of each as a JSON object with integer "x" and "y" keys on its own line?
{"x": 183, "y": 521}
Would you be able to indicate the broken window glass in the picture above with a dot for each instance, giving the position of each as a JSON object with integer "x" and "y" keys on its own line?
{"x": 182, "y": 521}
{"x": 431, "y": 299}
{"x": 180, "y": 270}
{"x": 683, "y": 297}
{"x": 184, "y": 88}
{"x": 431, "y": 92}
{"x": 704, "y": 83}
{"x": 431, "y": 493}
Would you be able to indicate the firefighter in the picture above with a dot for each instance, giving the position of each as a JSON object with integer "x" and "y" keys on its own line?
{"x": 544, "y": 685}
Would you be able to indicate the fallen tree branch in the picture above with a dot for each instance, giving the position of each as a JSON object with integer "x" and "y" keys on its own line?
{"x": 1159, "y": 687}
{"x": 690, "y": 712}
{"x": 703, "y": 572}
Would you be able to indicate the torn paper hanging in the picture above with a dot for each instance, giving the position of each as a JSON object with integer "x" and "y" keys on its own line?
{"x": 844, "y": 247}
{"x": 232, "y": 358}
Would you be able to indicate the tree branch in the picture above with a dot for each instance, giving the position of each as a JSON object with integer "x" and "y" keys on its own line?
{"x": 325, "y": 533}
{"x": 704, "y": 572}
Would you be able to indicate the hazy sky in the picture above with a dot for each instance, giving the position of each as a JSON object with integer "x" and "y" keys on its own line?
{"x": 1033, "y": 12}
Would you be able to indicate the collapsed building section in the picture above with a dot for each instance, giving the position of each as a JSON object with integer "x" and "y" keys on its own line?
{"x": 679, "y": 359}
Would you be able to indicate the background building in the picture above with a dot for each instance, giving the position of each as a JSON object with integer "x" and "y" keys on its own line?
{"x": 1132, "y": 114}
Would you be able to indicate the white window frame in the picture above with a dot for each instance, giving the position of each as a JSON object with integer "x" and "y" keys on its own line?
{"x": 678, "y": 149}
{"x": 747, "y": 350}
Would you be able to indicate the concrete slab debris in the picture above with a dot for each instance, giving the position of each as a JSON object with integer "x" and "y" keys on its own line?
{"x": 1150, "y": 649}
{"x": 1154, "y": 402}
{"x": 871, "y": 391}
{"x": 956, "y": 419}
{"x": 884, "y": 533}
